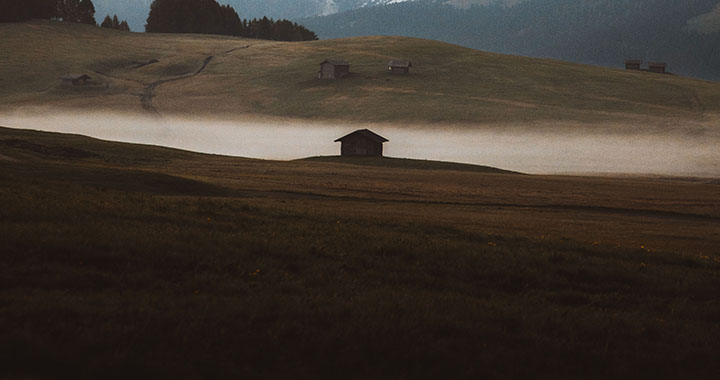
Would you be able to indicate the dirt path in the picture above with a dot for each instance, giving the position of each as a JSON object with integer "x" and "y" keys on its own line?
{"x": 148, "y": 93}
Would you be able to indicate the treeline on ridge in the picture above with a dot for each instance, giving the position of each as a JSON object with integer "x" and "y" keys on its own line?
{"x": 209, "y": 17}
{"x": 82, "y": 11}
{"x": 166, "y": 16}
{"x": 115, "y": 23}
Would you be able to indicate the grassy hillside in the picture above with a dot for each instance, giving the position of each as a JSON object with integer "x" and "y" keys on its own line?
{"x": 137, "y": 261}
{"x": 230, "y": 77}
{"x": 406, "y": 163}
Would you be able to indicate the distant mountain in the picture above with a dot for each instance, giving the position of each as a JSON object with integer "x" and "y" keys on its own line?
{"x": 683, "y": 33}
{"x": 706, "y": 23}
{"x": 136, "y": 11}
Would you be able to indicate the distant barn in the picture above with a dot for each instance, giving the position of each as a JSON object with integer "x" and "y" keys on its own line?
{"x": 362, "y": 142}
{"x": 632, "y": 64}
{"x": 75, "y": 79}
{"x": 334, "y": 69}
{"x": 657, "y": 67}
{"x": 399, "y": 66}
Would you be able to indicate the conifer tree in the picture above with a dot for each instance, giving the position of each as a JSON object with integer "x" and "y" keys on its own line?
{"x": 67, "y": 10}
{"x": 15, "y": 10}
{"x": 263, "y": 28}
{"x": 82, "y": 11}
{"x": 107, "y": 22}
{"x": 209, "y": 17}
{"x": 115, "y": 23}
{"x": 86, "y": 12}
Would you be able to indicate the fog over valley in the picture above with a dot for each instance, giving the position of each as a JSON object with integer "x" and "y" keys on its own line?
{"x": 413, "y": 189}
{"x": 535, "y": 150}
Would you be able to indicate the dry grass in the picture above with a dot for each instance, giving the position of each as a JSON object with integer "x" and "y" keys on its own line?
{"x": 449, "y": 84}
{"x": 124, "y": 261}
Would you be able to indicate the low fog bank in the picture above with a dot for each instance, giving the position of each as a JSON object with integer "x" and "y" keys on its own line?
{"x": 529, "y": 150}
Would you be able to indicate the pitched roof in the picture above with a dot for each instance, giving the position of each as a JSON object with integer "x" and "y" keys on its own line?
{"x": 633, "y": 61}
{"x": 400, "y": 63}
{"x": 365, "y": 133}
{"x": 336, "y": 62}
{"x": 76, "y": 76}
{"x": 657, "y": 64}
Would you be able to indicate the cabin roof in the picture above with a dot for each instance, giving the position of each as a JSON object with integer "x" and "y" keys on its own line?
{"x": 400, "y": 63}
{"x": 657, "y": 64}
{"x": 335, "y": 62}
{"x": 365, "y": 133}
{"x": 633, "y": 61}
{"x": 76, "y": 76}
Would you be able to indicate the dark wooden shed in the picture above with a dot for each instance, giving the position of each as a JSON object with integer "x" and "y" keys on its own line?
{"x": 657, "y": 67}
{"x": 75, "y": 79}
{"x": 334, "y": 69}
{"x": 398, "y": 66}
{"x": 362, "y": 142}
{"x": 632, "y": 64}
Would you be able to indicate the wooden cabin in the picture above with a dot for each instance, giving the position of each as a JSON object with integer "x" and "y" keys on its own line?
{"x": 657, "y": 67}
{"x": 362, "y": 142}
{"x": 75, "y": 79}
{"x": 632, "y": 64}
{"x": 334, "y": 70}
{"x": 399, "y": 67}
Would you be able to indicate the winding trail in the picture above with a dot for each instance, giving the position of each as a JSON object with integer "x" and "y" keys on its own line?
{"x": 146, "y": 97}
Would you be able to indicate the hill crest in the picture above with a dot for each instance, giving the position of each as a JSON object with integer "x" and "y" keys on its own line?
{"x": 223, "y": 77}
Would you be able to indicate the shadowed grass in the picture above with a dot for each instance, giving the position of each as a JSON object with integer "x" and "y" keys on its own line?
{"x": 209, "y": 287}
{"x": 407, "y": 163}
{"x": 106, "y": 274}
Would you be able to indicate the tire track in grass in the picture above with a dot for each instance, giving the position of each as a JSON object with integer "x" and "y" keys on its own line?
{"x": 148, "y": 93}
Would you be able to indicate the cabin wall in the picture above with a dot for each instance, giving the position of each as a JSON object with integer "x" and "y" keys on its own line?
{"x": 399, "y": 70}
{"x": 657, "y": 69}
{"x": 327, "y": 71}
{"x": 360, "y": 146}
{"x": 341, "y": 71}
{"x": 330, "y": 71}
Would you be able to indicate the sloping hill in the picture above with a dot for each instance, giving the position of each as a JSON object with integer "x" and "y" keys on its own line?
{"x": 224, "y": 77}
{"x": 115, "y": 255}
{"x": 678, "y": 32}
{"x": 407, "y": 163}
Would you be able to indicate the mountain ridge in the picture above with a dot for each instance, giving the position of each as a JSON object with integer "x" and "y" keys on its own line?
{"x": 136, "y": 11}
{"x": 682, "y": 33}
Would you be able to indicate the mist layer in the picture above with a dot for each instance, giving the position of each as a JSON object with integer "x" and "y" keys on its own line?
{"x": 529, "y": 150}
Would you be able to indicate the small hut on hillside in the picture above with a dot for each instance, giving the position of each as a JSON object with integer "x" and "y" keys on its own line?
{"x": 362, "y": 142}
{"x": 334, "y": 69}
{"x": 632, "y": 64}
{"x": 657, "y": 67}
{"x": 398, "y": 66}
{"x": 75, "y": 79}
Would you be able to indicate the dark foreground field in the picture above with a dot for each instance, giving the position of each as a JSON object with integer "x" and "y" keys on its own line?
{"x": 127, "y": 261}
